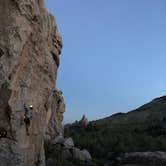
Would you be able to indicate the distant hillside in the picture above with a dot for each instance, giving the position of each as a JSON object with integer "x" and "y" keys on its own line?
{"x": 143, "y": 129}
{"x": 155, "y": 110}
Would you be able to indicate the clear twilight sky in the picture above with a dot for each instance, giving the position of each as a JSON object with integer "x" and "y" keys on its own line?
{"x": 114, "y": 54}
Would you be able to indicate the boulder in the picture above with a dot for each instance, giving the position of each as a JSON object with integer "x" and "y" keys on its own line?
{"x": 77, "y": 154}
{"x": 86, "y": 154}
{"x": 63, "y": 148}
{"x": 66, "y": 154}
{"x": 81, "y": 155}
{"x": 58, "y": 140}
{"x": 68, "y": 143}
{"x": 145, "y": 158}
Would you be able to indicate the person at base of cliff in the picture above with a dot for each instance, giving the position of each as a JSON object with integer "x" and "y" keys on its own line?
{"x": 27, "y": 117}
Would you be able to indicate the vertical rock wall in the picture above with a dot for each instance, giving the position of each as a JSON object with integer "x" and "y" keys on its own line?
{"x": 30, "y": 46}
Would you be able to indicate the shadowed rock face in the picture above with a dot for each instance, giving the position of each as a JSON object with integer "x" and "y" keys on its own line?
{"x": 30, "y": 46}
{"x": 54, "y": 118}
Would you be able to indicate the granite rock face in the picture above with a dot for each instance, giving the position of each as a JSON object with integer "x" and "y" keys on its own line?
{"x": 30, "y": 46}
{"x": 54, "y": 119}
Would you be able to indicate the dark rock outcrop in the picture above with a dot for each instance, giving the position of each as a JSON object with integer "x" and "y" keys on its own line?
{"x": 29, "y": 58}
{"x": 84, "y": 121}
{"x": 143, "y": 159}
{"x": 63, "y": 149}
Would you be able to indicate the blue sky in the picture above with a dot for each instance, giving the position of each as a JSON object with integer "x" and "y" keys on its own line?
{"x": 114, "y": 54}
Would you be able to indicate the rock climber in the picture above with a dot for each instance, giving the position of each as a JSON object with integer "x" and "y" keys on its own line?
{"x": 28, "y": 117}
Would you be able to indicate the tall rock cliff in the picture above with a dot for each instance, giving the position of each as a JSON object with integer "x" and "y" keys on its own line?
{"x": 30, "y": 46}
